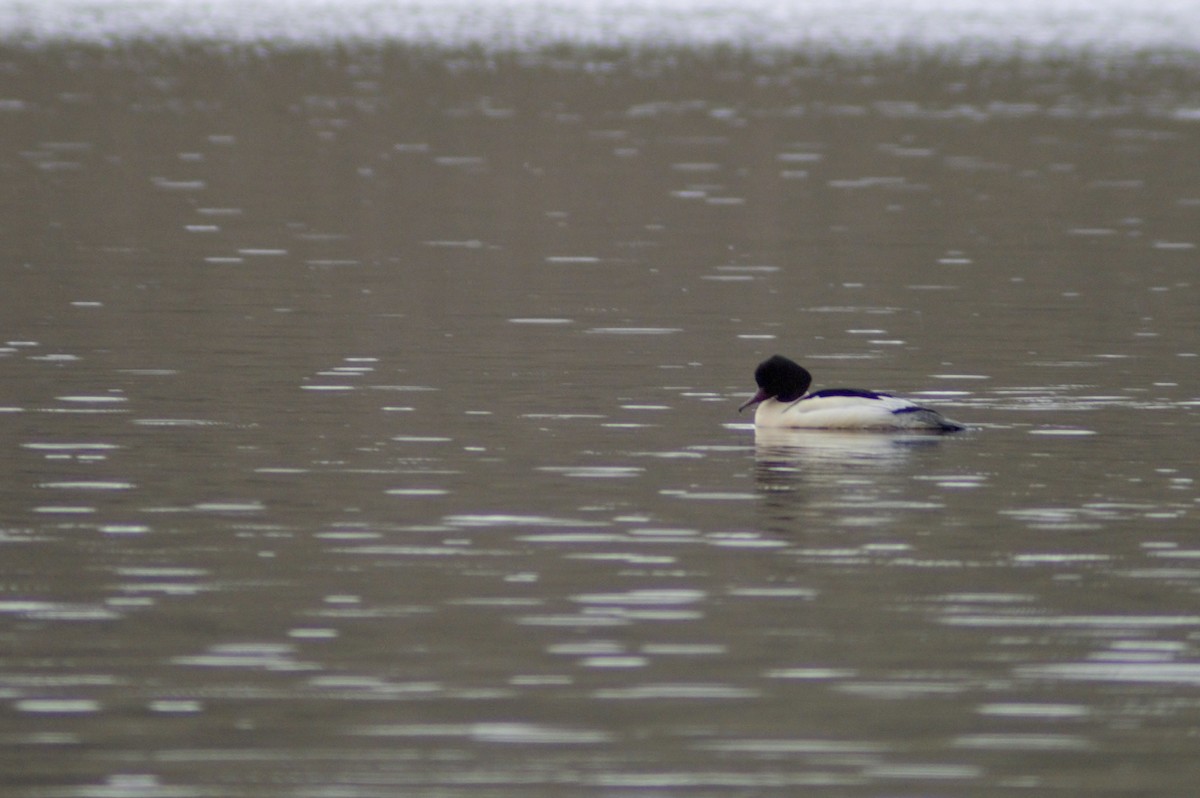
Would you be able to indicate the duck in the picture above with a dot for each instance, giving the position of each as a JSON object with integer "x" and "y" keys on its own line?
{"x": 783, "y": 402}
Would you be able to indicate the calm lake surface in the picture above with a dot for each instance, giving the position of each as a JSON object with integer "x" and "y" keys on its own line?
{"x": 368, "y": 417}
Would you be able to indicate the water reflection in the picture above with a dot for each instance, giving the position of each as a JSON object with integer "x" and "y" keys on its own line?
{"x": 847, "y": 478}
{"x": 971, "y": 28}
{"x": 831, "y": 449}
{"x": 393, "y": 388}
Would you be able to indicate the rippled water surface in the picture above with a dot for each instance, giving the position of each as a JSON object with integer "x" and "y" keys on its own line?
{"x": 369, "y": 422}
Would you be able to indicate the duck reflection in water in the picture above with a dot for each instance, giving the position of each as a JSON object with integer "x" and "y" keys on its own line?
{"x": 830, "y": 469}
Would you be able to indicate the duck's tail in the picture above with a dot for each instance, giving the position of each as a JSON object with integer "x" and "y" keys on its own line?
{"x": 924, "y": 418}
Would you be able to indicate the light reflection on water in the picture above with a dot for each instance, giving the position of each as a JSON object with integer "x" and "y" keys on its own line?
{"x": 971, "y": 27}
{"x": 371, "y": 427}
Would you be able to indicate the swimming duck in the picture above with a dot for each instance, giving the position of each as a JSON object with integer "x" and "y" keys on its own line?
{"x": 783, "y": 402}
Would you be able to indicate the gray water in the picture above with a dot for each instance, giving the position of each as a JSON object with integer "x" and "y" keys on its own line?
{"x": 369, "y": 423}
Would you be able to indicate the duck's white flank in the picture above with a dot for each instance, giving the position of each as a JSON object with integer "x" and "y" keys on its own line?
{"x": 882, "y": 412}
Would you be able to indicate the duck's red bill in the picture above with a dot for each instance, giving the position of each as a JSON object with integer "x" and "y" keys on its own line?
{"x": 761, "y": 396}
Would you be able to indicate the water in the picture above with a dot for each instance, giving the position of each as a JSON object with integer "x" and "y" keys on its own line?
{"x": 369, "y": 419}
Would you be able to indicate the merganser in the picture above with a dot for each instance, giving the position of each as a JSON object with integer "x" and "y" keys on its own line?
{"x": 783, "y": 402}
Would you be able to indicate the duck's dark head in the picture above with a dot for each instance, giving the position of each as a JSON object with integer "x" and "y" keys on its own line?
{"x": 781, "y": 379}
